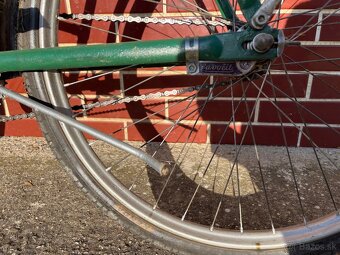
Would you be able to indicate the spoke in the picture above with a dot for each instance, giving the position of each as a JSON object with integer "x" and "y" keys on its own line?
{"x": 206, "y": 13}
{"x": 151, "y": 115}
{"x": 186, "y": 116}
{"x": 309, "y": 61}
{"x": 305, "y": 108}
{"x": 298, "y": 34}
{"x": 98, "y": 76}
{"x": 321, "y": 56}
{"x": 279, "y": 15}
{"x": 238, "y": 152}
{"x": 310, "y": 19}
{"x": 212, "y": 157}
{"x": 288, "y": 155}
{"x": 161, "y": 133}
{"x": 198, "y": 8}
{"x": 237, "y": 169}
{"x": 187, "y": 140}
{"x": 180, "y": 118}
{"x": 309, "y": 26}
{"x": 234, "y": 4}
{"x": 309, "y": 139}
{"x": 316, "y": 75}
{"x": 259, "y": 163}
{"x": 302, "y": 107}
{"x": 291, "y": 121}
{"x": 116, "y": 100}
{"x": 305, "y": 12}
{"x": 201, "y": 108}
{"x": 201, "y": 12}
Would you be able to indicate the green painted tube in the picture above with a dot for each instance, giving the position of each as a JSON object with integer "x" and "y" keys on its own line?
{"x": 219, "y": 47}
{"x": 226, "y": 9}
{"x": 249, "y": 8}
{"x": 106, "y": 55}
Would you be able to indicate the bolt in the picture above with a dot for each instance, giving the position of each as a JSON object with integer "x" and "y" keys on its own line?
{"x": 244, "y": 65}
{"x": 261, "y": 20}
{"x": 192, "y": 68}
{"x": 262, "y": 42}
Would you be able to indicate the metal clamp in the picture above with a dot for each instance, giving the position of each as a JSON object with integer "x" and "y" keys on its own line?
{"x": 192, "y": 54}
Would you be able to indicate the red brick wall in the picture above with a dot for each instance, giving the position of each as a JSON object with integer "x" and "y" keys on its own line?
{"x": 316, "y": 93}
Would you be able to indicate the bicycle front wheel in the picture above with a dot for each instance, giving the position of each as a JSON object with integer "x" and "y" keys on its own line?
{"x": 254, "y": 159}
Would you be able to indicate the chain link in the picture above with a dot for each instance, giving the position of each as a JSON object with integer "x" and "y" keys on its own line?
{"x": 147, "y": 20}
{"x": 174, "y": 92}
{"x": 24, "y": 116}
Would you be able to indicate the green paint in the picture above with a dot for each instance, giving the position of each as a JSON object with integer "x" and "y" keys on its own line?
{"x": 249, "y": 8}
{"x": 105, "y": 55}
{"x": 223, "y": 47}
{"x": 227, "y": 11}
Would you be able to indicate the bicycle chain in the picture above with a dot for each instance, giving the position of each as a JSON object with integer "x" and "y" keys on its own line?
{"x": 116, "y": 100}
{"x": 174, "y": 92}
{"x": 24, "y": 116}
{"x": 147, "y": 20}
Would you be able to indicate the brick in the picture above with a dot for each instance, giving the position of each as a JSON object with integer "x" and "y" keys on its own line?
{"x": 322, "y": 137}
{"x": 312, "y": 58}
{"x": 16, "y": 108}
{"x": 76, "y": 105}
{"x": 291, "y": 24}
{"x": 213, "y": 111}
{"x": 147, "y": 131}
{"x": 307, "y": 4}
{"x": 159, "y": 31}
{"x": 107, "y": 127}
{"x": 22, "y": 128}
{"x": 181, "y": 6}
{"x": 104, "y": 85}
{"x": 109, "y": 6}
{"x": 264, "y": 135}
{"x": 2, "y": 109}
{"x": 330, "y": 28}
{"x": 327, "y": 111}
{"x": 153, "y": 109}
{"x": 74, "y": 33}
{"x": 62, "y": 7}
{"x": 326, "y": 86}
{"x": 16, "y": 84}
{"x": 282, "y": 82}
{"x": 162, "y": 83}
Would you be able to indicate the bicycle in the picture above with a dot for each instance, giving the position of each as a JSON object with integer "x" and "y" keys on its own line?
{"x": 163, "y": 192}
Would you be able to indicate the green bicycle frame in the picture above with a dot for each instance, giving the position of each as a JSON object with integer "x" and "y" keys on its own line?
{"x": 224, "y": 47}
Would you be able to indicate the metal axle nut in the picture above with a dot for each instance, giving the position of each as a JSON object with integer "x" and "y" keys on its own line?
{"x": 262, "y": 42}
